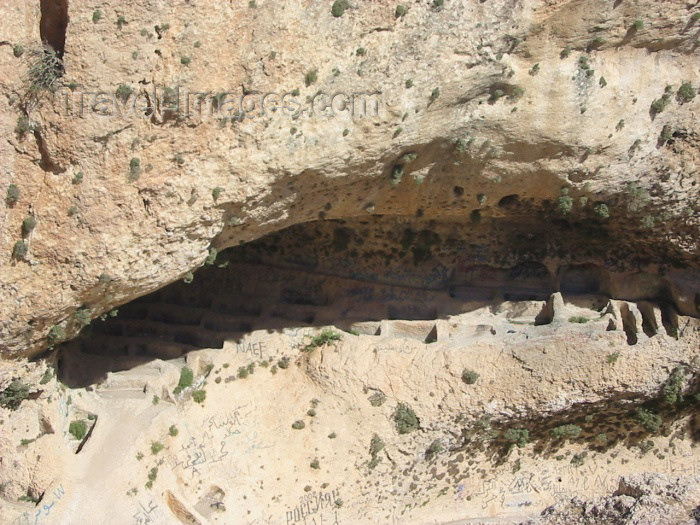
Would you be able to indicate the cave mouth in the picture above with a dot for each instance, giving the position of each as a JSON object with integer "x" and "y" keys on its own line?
{"x": 377, "y": 275}
{"x": 53, "y": 24}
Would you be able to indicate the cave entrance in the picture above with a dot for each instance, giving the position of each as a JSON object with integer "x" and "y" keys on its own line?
{"x": 384, "y": 276}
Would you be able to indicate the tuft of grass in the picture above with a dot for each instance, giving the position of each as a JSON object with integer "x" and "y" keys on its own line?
{"x": 578, "y": 319}
{"x": 311, "y": 77}
{"x": 405, "y": 419}
{"x": 78, "y": 177}
{"x": 322, "y": 339}
{"x": 78, "y": 429}
{"x": 434, "y": 95}
{"x": 45, "y": 70}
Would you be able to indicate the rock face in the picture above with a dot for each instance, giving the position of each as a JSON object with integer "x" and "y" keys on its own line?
{"x": 349, "y": 262}
{"x": 533, "y": 116}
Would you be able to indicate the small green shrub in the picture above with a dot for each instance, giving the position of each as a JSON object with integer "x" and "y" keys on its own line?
{"x": 686, "y": 92}
{"x": 434, "y": 449}
{"x": 434, "y": 95}
{"x": 376, "y": 445}
{"x": 156, "y": 447}
{"x": 185, "y": 60}
{"x": 401, "y": 10}
{"x": 121, "y": 21}
{"x": 81, "y": 318}
{"x": 322, "y": 339}
{"x": 152, "y": 475}
{"x": 469, "y": 376}
{"x": 28, "y": 225}
{"x": 56, "y": 335}
{"x": 134, "y": 168}
{"x": 198, "y": 396}
{"x": 534, "y": 70}
{"x": 660, "y": 104}
{"x": 578, "y": 459}
{"x": 437, "y": 4}
{"x": 566, "y": 204}
{"x": 602, "y": 82}
{"x": 311, "y": 77}
{"x": 20, "y": 250}
{"x": 361, "y": 51}
{"x": 612, "y": 358}
{"x": 565, "y": 52}
{"x": 13, "y": 395}
{"x": 578, "y": 319}
{"x": 339, "y": 7}
{"x": 283, "y": 363}
{"x": 332, "y": 435}
{"x": 517, "y": 436}
{"x": 405, "y": 419}
{"x": 672, "y": 392}
{"x": 315, "y": 464}
{"x": 566, "y": 432}
{"x": 78, "y": 429}
{"x": 638, "y": 25}
{"x": 186, "y": 379}
{"x": 602, "y": 211}
{"x": 695, "y": 17}
{"x": 173, "y": 431}
{"x": 409, "y": 83}
{"x": 47, "y": 376}
{"x": 648, "y": 419}
{"x": 216, "y": 192}
{"x": 78, "y": 177}
{"x": 377, "y": 399}
{"x": 298, "y": 425}
{"x": 123, "y": 92}
{"x": 396, "y": 174}
{"x": 13, "y": 194}
{"x": 45, "y": 70}
{"x": 17, "y": 50}
{"x": 96, "y": 16}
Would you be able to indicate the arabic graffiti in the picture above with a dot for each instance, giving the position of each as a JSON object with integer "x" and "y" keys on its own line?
{"x": 42, "y": 511}
{"x": 143, "y": 515}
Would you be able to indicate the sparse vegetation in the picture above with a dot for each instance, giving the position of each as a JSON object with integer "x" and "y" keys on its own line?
{"x": 339, "y": 7}
{"x": 121, "y": 21}
{"x": 602, "y": 211}
{"x": 123, "y": 92}
{"x": 311, "y": 77}
{"x": 517, "y": 436}
{"x": 469, "y": 377}
{"x": 78, "y": 177}
{"x": 377, "y": 399}
{"x": 578, "y": 319}
{"x": 565, "y": 52}
{"x": 434, "y": 449}
{"x": 409, "y": 83}
{"x": 434, "y": 95}
{"x": 56, "y": 335}
{"x": 185, "y": 381}
{"x": 156, "y": 447}
{"x": 405, "y": 419}
{"x": 96, "y": 16}
{"x": 298, "y": 425}
{"x": 648, "y": 419}
{"x": 638, "y": 25}
{"x": 13, "y": 395}
{"x": 612, "y": 358}
{"x": 198, "y": 396}
{"x": 17, "y": 50}
{"x": 78, "y": 429}
{"x": 152, "y": 475}
{"x": 185, "y": 60}
{"x": 401, "y": 10}
{"x": 566, "y": 432}
{"x": 566, "y": 203}
{"x": 686, "y": 92}
{"x": 45, "y": 70}
{"x": 534, "y": 70}
{"x": 216, "y": 192}
{"x": 135, "y": 168}
{"x": 672, "y": 392}
{"x": 322, "y": 339}
{"x": 20, "y": 250}
{"x": 283, "y": 363}
{"x": 28, "y": 225}
{"x": 13, "y": 194}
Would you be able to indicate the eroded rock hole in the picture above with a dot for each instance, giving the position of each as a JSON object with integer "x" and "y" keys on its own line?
{"x": 53, "y": 24}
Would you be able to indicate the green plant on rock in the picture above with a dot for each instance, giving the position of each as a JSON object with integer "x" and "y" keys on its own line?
{"x": 96, "y": 16}
{"x": 311, "y": 77}
{"x": 469, "y": 376}
{"x": 17, "y": 50}
{"x": 152, "y": 475}
{"x": 566, "y": 432}
{"x": 78, "y": 429}
{"x": 566, "y": 203}
{"x": 405, "y": 419}
{"x": 20, "y": 250}
{"x": 134, "y": 168}
{"x": 602, "y": 211}
{"x": 198, "y": 396}
{"x": 322, "y": 339}
{"x": 298, "y": 425}
{"x": 45, "y": 70}
{"x": 185, "y": 381}
{"x": 339, "y": 7}
{"x": 123, "y": 92}
{"x": 434, "y": 449}
{"x": 56, "y": 335}
{"x": 13, "y": 194}
{"x": 434, "y": 95}
{"x": 396, "y": 174}
{"x": 648, "y": 419}
{"x": 686, "y": 92}
{"x": 401, "y": 10}
{"x": 672, "y": 391}
{"x": 578, "y": 319}
{"x": 13, "y": 395}
{"x": 638, "y": 25}
{"x": 517, "y": 436}
{"x": 28, "y": 225}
